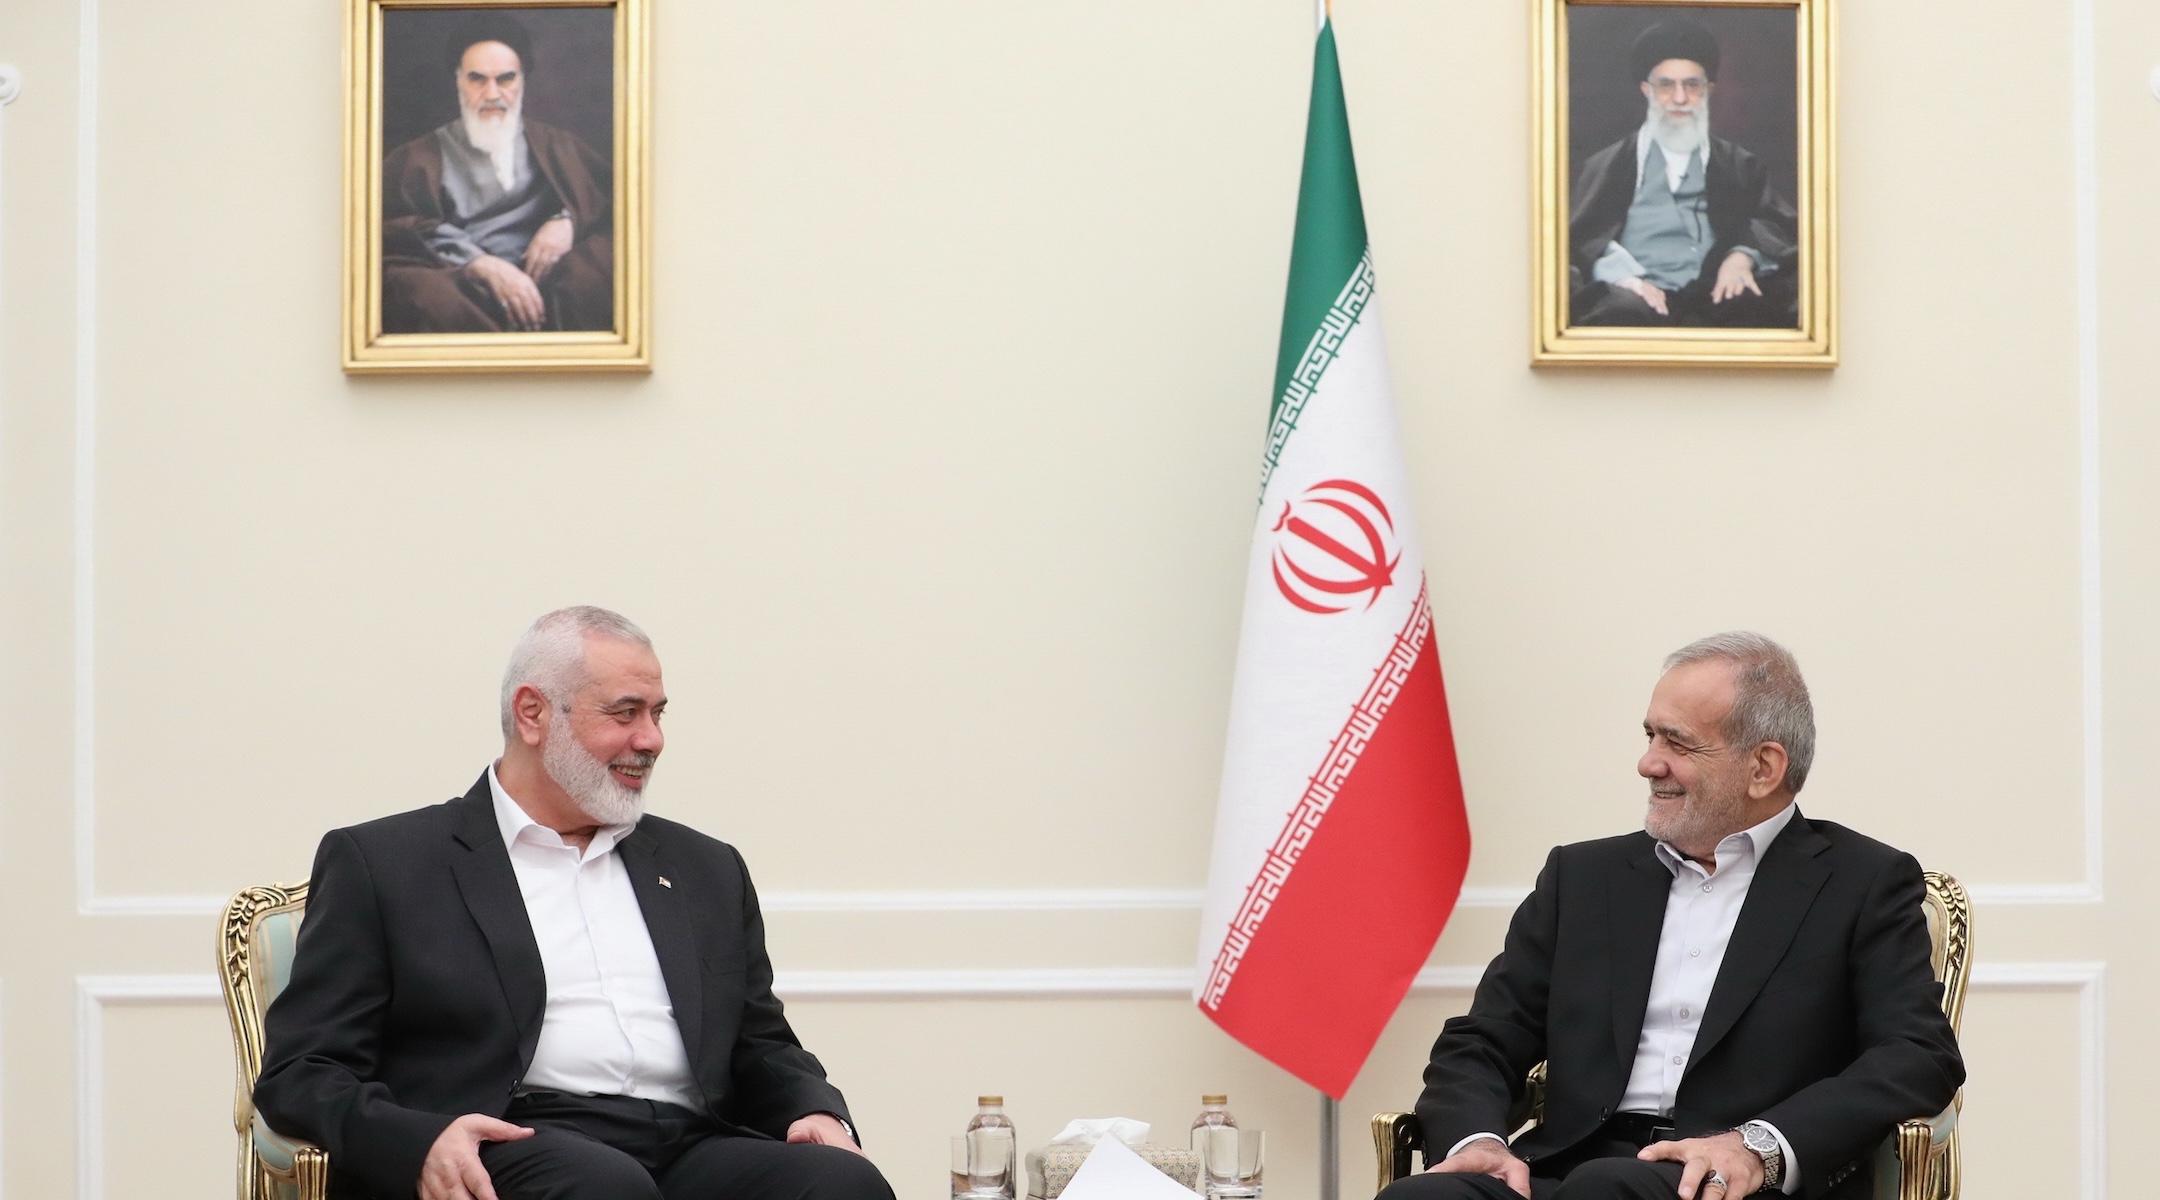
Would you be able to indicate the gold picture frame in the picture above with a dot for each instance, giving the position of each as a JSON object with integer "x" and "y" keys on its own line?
{"x": 1586, "y": 72}
{"x": 420, "y": 212}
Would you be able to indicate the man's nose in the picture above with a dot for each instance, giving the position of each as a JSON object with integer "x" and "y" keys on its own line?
{"x": 1651, "y": 765}
{"x": 646, "y": 738}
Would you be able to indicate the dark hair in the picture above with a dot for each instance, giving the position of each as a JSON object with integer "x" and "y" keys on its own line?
{"x": 488, "y": 27}
{"x": 1674, "y": 37}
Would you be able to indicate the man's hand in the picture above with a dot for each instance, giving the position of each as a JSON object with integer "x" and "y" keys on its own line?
{"x": 513, "y": 289}
{"x": 1734, "y": 276}
{"x": 549, "y": 243}
{"x": 1651, "y": 294}
{"x": 1489, "y": 1156}
{"x": 822, "y": 1129}
{"x": 452, "y": 1170}
{"x": 1724, "y": 1153}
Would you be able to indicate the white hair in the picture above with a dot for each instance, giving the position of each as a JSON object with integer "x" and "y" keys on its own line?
{"x": 550, "y": 655}
{"x": 1770, "y": 699}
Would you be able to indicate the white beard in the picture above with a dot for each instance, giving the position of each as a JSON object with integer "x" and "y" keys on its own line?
{"x": 577, "y": 771}
{"x": 496, "y": 137}
{"x": 1682, "y": 136}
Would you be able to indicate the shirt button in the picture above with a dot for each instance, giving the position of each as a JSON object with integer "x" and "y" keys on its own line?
{"x": 1676, "y": 1060}
{"x": 1683, "y": 1014}
{"x": 1706, "y": 887}
{"x": 1695, "y": 953}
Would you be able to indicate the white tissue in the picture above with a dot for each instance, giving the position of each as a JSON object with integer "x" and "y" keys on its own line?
{"x": 1090, "y": 1130}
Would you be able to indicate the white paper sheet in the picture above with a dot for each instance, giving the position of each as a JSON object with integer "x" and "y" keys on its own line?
{"x": 1113, "y": 1172}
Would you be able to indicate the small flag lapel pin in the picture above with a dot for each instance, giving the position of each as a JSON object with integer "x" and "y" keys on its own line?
{"x": 664, "y": 882}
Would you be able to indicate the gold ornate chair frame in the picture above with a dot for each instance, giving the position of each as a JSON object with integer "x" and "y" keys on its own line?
{"x": 1919, "y": 1160}
{"x": 255, "y": 942}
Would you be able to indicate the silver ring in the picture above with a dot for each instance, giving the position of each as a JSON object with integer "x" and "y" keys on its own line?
{"x": 1717, "y": 1180}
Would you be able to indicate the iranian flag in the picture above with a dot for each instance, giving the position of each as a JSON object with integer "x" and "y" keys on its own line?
{"x": 1340, "y": 840}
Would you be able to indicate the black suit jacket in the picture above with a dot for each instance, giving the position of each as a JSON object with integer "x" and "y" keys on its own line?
{"x": 1825, "y": 1020}
{"x": 1745, "y": 209}
{"x": 417, "y": 989}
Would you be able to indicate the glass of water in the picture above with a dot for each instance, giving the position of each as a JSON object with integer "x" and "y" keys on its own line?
{"x": 983, "y": 1165}
{"x": 1232, "y": 1161}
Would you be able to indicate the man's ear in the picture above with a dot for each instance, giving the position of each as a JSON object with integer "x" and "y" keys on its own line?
{"x": 1766, "y": 770}
{"x": 1647, "y": 94}
{"x": 527, "y": 705}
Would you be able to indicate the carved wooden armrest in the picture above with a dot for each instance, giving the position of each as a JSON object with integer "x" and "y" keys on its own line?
{"x": 1920, "y": 1148}
{"x": 305, "y": 1165}
{"x": 1395, "y": 1136}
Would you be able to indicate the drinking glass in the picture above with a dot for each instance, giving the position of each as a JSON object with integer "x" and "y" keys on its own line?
{"x": 1232, "y": 1161}
{"x": 982, "y": 1165}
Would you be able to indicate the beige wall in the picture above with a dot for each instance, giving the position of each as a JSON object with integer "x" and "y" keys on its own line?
{"x": 937, "y": 500}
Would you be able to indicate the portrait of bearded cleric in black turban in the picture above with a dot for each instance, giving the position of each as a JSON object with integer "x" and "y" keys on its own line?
{"x": 1683, "y": 128}
{"x": 498, "y": 202}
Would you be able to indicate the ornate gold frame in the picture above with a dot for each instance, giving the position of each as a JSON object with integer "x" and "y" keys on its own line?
{"x": 1555, "y": 343}
{"x": 367, "y": 349}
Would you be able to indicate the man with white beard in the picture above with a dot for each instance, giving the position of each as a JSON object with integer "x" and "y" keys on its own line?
{"x": 1672, "y": 225}
{"x": 539, "y": 992}
{"x": 492, "y": 222}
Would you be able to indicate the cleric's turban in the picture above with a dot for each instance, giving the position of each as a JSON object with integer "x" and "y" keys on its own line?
{"x": 1674, "y": 37}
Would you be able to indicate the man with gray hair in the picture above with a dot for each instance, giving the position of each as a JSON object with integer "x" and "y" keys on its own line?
{"x": 1735, "y": 1000}
{"x": 538, "y": 991}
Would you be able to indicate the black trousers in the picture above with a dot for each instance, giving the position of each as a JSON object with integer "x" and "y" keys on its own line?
{"x": 1602, "y": 1167}
{"x": 619, "y": 1148}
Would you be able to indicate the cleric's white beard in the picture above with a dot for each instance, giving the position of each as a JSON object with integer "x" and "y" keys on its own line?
{"x": 495, "y": 136}
{"x": 577, "y": 771}
{"x": 1679, "y": 137}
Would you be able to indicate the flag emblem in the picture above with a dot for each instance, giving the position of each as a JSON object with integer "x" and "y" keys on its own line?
{"x": 1335, "y": 544}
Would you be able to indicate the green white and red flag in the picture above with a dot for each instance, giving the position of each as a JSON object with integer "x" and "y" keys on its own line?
{"x": 1340, "y": 838}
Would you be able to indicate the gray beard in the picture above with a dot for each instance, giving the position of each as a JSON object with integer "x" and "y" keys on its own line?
{"x": 1710, "y": 808}
{"x": 496, "y": 138}
{"x": 585, "y": 778}
{"x": 1679, "y": 140}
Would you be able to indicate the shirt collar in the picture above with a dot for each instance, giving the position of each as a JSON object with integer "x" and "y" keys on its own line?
{"x": 1754, "y": 840}
{"x": 512, "y": 820}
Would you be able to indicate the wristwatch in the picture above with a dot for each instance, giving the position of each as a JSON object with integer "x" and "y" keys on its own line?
{"x": 1756, "y": 1136}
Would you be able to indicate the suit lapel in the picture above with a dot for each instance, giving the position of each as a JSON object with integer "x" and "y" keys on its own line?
{"x": 667, "y": 920}
{"x": 1785, "y": 884}
{"x": 490, "y": 888}
{"x": 1635, "y": 915}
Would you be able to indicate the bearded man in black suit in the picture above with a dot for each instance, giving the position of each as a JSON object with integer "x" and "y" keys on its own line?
{"x": 1736, "y": 1000}
{"x": 539, "y": 992}
{"x": 1672, "y": 226}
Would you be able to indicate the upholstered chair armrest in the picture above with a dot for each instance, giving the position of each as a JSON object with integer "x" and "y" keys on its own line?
{"x": 1918, "y": 1160}
{"x": 1396, "y": 1135}
{"x": 304, "y": 1166}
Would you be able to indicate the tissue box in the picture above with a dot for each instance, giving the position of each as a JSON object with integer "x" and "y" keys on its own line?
{"x": 1051, "y": 1168}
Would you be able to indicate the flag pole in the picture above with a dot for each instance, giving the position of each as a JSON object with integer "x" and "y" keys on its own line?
{"x": 1330, "y": 1147}
{"x": 1330, "y": 1111}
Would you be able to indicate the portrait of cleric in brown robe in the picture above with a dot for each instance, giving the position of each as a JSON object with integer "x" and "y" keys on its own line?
{"x": 494, "y": 221}
{"x": 1670, "y": 223}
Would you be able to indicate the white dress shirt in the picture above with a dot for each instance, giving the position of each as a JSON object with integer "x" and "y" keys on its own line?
{"x": 1700, "y": 911}
{"x": 609, "y": 1027}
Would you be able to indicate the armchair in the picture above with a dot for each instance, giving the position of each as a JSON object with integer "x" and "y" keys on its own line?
{"x": 1918, "y": 1161}
{"x": 255, "y": 949}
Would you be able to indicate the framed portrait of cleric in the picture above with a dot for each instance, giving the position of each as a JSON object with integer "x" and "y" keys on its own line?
{"x": 495, "y": 199}
{"x": 1684, "y": 173}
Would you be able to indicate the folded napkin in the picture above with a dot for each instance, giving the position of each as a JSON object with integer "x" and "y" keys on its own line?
{"x": 1089, "y": 1130}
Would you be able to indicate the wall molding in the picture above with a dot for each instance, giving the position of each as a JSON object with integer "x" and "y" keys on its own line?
{"x": 93, "y": 993}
